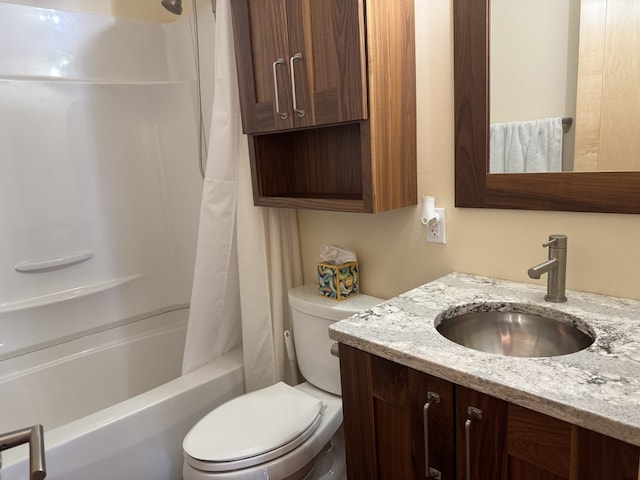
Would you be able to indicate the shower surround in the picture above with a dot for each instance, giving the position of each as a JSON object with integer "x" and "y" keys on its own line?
{"x": 99, "y": 206}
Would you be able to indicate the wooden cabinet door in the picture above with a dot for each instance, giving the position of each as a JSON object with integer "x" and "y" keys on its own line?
{"x": 327, "y": 43}
{"x": 599, "y": 457}
{"x": 480, "y": 443}
{"x": 384, "y": 419}
{"x": 300, "y": 63}
{"x": 262, "y": 55}
{"x": 538, "y": 446}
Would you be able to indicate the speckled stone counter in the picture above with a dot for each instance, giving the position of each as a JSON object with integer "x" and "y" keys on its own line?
{"x": 597, "y": 388}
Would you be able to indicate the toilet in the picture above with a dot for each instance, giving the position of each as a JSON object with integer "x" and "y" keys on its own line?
{"x": 282, "y": 432}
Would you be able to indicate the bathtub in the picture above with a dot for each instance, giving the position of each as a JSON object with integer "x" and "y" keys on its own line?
{"x": 113, "y": 403}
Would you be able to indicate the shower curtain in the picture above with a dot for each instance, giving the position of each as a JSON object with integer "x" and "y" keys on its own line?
{"x": 247, "y": 257}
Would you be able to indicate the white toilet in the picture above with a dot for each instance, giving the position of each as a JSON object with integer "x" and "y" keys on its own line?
{"x": 282, "y": 432}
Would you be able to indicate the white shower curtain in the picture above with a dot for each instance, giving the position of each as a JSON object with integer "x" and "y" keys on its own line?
{"x": 247, "y": 257}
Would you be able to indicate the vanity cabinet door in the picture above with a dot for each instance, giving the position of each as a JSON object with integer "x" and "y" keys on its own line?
{"x": 300, "y": 63}
{"x": 514, "y": 443}
{"x": 599, "y": 456}
{"x": 538, "y": 446}
{"x": 497, "y": 440}
{"x": 384, "y": 419}
{"x": 481, "y": 426}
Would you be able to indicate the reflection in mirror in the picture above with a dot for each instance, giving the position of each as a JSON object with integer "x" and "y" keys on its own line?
{"x": 608, "y": 103}
{"x": 561, "y": 59}
{"x": 580, "y": 191}
{"x": 534, "y": 56}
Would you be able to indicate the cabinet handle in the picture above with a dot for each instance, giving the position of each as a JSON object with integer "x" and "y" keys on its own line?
{"x": 473, "y": 413}
{"x": 297, "y": 56}
{"x": 280, "y": 61}
{"x": 429, "y": 472}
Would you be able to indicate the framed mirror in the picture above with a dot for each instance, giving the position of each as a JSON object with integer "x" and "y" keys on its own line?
{"x": 611, "y": 191}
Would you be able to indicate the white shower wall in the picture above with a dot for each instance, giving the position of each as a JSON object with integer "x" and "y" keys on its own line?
{"x": 98, "y": 155}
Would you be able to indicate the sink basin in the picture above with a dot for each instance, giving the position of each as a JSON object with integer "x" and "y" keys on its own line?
{"x": 514, "y": 334}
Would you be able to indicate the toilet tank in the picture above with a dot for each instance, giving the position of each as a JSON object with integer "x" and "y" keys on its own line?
{"x": 312, "y": 315}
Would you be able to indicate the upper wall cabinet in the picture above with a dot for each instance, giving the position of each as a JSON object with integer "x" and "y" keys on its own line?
{"x": 327, "y": 91}
{"x": 300, "y": 63}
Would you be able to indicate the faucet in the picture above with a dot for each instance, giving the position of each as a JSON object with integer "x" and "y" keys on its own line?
{"x": 555, "y": 267}
{"x": 34, "y": 436}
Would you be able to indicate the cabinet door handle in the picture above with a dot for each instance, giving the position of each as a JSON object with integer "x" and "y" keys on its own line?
{"x": 280, "y": 61}
{"x": 473, "y": 413}
{"x": 429, "y": 472}
{"x": 292, "y": 60}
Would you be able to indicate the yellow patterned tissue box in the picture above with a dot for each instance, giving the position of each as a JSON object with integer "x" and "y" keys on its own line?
{"x": 338, "y": 282}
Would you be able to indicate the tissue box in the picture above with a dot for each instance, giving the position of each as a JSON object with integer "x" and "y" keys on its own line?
{"x": 338, "y": 282}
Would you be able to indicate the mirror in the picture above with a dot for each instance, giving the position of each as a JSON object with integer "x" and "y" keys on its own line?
{"x": 611, "y": 191}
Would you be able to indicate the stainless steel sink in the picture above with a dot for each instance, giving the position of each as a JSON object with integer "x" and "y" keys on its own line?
{"x": 515, "y": 334}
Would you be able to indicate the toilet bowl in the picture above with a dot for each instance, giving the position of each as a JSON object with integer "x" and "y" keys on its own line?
{"x": 282, "y": 432}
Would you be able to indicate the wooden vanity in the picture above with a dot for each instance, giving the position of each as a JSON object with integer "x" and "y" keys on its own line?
{"x": 407, "y": 390}
{"x": 391, "y": 412}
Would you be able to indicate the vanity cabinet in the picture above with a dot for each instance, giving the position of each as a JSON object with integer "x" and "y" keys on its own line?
{"x": 390, "y": 419}
{"x": 327, "y": 93}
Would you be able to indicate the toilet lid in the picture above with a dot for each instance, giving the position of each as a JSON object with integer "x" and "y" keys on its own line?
{"x": 253, "y": 428}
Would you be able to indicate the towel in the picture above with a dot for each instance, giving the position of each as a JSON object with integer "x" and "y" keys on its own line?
{"x": 533, "y": 146}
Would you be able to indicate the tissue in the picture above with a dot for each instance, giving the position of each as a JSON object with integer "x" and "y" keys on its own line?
{"x": 338, "y": 277}
{"x": 337, "y": 255}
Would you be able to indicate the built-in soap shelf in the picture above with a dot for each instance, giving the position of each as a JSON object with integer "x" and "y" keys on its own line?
{"x": 75, "y": 81}
{"x": 68, "y": 294}
{"x": 55, "y": 263}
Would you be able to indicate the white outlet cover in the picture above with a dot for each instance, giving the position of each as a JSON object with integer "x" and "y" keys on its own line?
{"x": 437, "y": 233}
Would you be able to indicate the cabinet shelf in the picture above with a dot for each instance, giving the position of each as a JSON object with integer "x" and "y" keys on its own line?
{"x": 318, "y": 168}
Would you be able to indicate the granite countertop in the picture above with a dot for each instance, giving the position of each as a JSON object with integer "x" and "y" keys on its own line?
{"x": 597, "y": 388}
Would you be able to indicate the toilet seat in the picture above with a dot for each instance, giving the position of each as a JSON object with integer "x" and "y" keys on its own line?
{"x": 253, "y": 429}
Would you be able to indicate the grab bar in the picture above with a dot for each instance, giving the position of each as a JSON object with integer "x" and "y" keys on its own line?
{"x": 53, "y": 263}
{"x": 34, "y": 436}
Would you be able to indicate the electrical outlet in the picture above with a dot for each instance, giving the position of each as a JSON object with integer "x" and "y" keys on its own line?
{"x": 437, "y": 232}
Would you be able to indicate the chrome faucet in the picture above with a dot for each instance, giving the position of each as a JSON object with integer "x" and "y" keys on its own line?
{"x": 34, "y": 436}
{"x": 555, "y": 267}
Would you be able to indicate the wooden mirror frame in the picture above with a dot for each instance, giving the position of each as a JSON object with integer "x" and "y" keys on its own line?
{"x": 612, "y": 192}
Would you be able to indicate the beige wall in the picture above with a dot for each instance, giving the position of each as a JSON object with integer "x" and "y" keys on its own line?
{"x": 604, "y": 249}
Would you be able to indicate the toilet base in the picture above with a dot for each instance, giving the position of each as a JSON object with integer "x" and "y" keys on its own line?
{"x": 331, "y": 463}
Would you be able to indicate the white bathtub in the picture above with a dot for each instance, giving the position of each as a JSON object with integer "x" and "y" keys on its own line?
{"x": 112, "y": 403}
